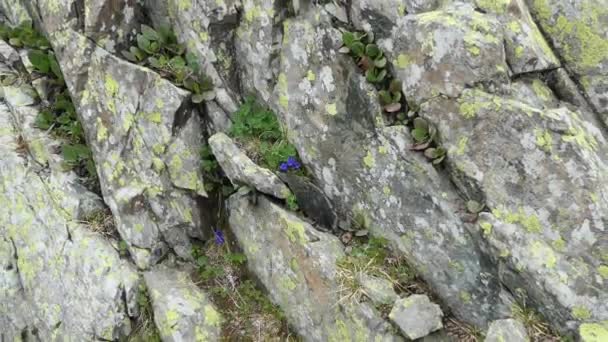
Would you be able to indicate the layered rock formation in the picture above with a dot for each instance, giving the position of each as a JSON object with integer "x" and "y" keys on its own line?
{"x": 517, "y": 91}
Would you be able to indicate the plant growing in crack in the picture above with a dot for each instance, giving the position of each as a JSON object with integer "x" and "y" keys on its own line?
{"x": 372, "y": 61}
{"x": 160, "y": 50}
{"x": 58, "y": 114}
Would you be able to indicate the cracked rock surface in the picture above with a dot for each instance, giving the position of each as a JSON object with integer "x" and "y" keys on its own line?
{"x": 516, "y": 89}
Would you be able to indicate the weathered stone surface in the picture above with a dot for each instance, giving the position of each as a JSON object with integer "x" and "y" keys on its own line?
{"x": 378, "y": 16}
{"x": 507, "y": 330}
{"x": 182, "y": 311}
{"x": 444, "y": 51}
{"x": 525, "y": 47}
{"x": 110, "y": 23}
{"x": 297, "y": 265}
{"x": 379, "y": 290}
{"x": 242, "y": 170}
{"x": 416, "y": 316}
{"x": 58, "y": 279}
{"x": 254, "y": 41}
{"x": 204, "y": 26}
{"x": 368, "y": 170}
{"x": 546, "y": 191}
{"x": 579, "y": 33}
{"x": 14, "y": 11}
{"x": 311, "y": 200}
{"x": 533, "y": 92}
{"x": 145, "y": 141}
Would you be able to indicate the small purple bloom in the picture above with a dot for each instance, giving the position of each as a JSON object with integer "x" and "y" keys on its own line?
{"x": 219, "y": 237}
{"x": 284, "y": 167}
{"x": 292, "y": 163}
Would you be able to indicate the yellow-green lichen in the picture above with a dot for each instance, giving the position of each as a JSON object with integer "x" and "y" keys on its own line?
{"x": 369, "y": 160}
{"x": 111, "y": 86}
{"x": 462, "y": 145}
{"x": 559, "y": 244}
{"x": 581, "y": 313}
{"x": 212, "y": 317}
{"x": 155, "y": 117}
{"x": 602, "y": 270}
{"x": 486, "y": 227}
{"x": 465, "y": 297}
{"x": 494, "y": 6}
{"x": 594, "y": 332}
{"x": 544, "y": 140}
{"x": 403, "y": 61}
{"x": 102, "y": 131}
{"x": 579, "y": 136}
{"x": 311, "y": 76}
{"x": 544, "y": 253}
{"x": 294, "y": 230}
{"x": 331, "y": 109}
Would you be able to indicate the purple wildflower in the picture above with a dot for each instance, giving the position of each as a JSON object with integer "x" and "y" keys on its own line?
{"x": 293, "y": 164}
{"x": 219, "y": 237}
{"x": 284, "y": 167}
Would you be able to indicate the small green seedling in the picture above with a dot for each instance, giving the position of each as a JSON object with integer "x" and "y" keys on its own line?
{"x": 423, "y": 133}
{"x": 436, "y": 154}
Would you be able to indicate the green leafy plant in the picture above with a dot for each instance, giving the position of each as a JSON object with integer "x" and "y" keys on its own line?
{"x": 24, "y": 36}
{"x": 292, "y": 202}
{"x": 436, "y": 154}
{"x": 423, "y": 133}
{"x": 160, "y": 50}
{"x": 260, "y": 133}
{"x": 59, "y": 116}
{"x": 372, "y": 61}
{"x": 369, "y": 56}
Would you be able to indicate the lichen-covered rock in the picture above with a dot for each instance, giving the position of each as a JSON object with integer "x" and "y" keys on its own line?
{"x": 110, "y": 23}
{"x": 525, "y": 47}
{"x": 368, "y": 170}
{"x": 297, "y": 265}
{"x": 416, "y": 316}
{"x": 444, "y": 51}
{"x": 242, "y": 170}
{"x": 503, "y": 330}
{"x": 145, "y": 139}
{"x": 546, "y": 191}
{"x": 379, "y": 290}
{"x": 377, "y": 16}
{"x": 254, "y": 41}
{"x": 579, "y": 33}
{"x": 206, "y": 28}
{"x": 59, "y": 280}
{"x": 182, "y": 311}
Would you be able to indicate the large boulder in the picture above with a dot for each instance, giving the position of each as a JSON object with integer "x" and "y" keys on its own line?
{"x": 59, "y": 279}
{"x": 368, "y": 170}
{"x": 145, "y": 137}
{"x": 446, "y": 51}
{"x": 543, "y": 174}
{"x": 525, "y": 47}
{"x": 297, "y": 265}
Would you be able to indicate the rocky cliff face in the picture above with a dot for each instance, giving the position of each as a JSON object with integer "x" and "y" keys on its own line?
{"x": 362, "y": 156}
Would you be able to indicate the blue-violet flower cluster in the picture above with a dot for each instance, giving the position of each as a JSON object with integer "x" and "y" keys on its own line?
{"x": 291, "y": 164}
